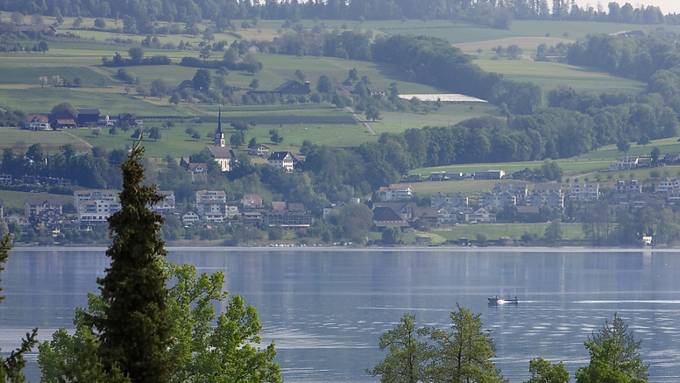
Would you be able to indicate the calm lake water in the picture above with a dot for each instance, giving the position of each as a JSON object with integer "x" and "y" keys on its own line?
{"x": 325, "y": 310}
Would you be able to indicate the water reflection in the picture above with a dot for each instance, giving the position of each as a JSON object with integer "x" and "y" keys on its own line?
{"x": 326, "y": 310}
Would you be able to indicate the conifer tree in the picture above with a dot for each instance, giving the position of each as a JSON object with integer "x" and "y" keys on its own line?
{"x": 134, "y": 323}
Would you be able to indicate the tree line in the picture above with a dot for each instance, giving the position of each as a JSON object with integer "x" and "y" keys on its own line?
{"x": 463, "y": 353}
{"x": 423, "y": 59}
{"x": 140, "y": 15}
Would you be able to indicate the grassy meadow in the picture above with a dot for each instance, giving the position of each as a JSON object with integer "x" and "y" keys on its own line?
{"x": 20, "y": 87}
{"x": 16, "y": 200}
{"x": 549, "y": 75}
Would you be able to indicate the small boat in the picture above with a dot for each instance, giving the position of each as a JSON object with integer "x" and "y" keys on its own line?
{"x": 503, "y": 301}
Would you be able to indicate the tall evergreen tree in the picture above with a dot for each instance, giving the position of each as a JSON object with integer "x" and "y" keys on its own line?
{"x": 134, "y": 324}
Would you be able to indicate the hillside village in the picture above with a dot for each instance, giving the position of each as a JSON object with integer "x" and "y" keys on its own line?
{"x": 395, "y": 207}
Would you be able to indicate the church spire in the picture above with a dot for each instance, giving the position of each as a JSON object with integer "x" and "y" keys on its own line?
{"x": 219, "y": 120}
{"x": 219, "y": 134}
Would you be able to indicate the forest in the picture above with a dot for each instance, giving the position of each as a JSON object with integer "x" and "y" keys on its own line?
{"x": 140, "y": 15}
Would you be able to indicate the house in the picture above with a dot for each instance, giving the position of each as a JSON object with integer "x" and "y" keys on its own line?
{"x": 449, "y": 215}
{"x": 65, "y": 123}
{"x": 252, "y": 218}
{"x": 198, "y": 170}
{"x": 190, "y": 218}
{"x": 223, "y": 155}
{"x": 584, "y": 192}
{"x": 96, "y": 206}
{"x": 480, "y": 215}
{"x": 288, "y": 215}
{"x": 283, "y": 160}
{"x": 231, "y": 211}
{"x": 628, "y": 187}
{"x": 405, "y": 210}
{"x": 519, "y": 189}
{"x": 251, "y": 201}
{"x": 42, "y": 210}
{"x": 390, "y": 194}
{"x": 167, "y": 204}
{"x": 667, "y": 185}
{"x": 498, "y": 200}
{"x": 259, "y": 150}
{"x": 671, "y": 158}
{"x": 294, "y": 87}
{"x": 489, "y": 175}
{"x": 548, "y": 195}
{"x": 425, "y": 216}
{"x": 37, "y": 122}
{"x": 456, "y": 200}
{"x": 625, "y": 163}
{"x": 210, "y": 196}
{"x": 88, "y": 117}
{"x": 385, "y": 216}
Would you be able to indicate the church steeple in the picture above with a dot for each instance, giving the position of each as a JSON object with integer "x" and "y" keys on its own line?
{"x": 219, "y": 134}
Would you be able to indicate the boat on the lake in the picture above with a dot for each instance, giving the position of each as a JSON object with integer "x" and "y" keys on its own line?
{"x": 502, "y": 301}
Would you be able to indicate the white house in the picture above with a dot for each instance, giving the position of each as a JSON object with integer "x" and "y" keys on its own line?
{"x": 190, "y": 218}
{"x": 167, "y": 204}
{"x": 38, "y": 122}
{"x": 282, "y": 160}
{"x": 96, "y": 206}
{"x": 390, "y": 194}
{"x": 584, "y": 191}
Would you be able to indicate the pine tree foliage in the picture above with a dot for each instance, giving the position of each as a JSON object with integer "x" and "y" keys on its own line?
{"x": 134, "y": 324}
{"x": 406, "y": 352}
{"x": 614, "y": 356}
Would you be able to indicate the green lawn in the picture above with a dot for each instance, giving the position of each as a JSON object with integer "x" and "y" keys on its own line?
{"x": 464, "y": 186}
{"x": 30, "y": 75}
{"x": 16, "y": 200}
{"x": 585, "y": 164}
{"x": 11, "y": 138}
{"x": 110, "y": 101}
{"x": 550, "y": 75}
{"x": 570, "y": 231}
{"x": 447, "y": 115}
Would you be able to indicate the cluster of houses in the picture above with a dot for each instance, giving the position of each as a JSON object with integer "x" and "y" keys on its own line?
{"x": 225, "y": 157}
{"x": 640, "y": 162}
{"x": 394, "y": 206}
{"x": 84, "y": 117}
{"x": 94, "y": 207}
{"x": 213, "y": 206}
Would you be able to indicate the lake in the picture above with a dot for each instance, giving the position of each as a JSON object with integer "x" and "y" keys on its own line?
{"x": 326, "y": 309}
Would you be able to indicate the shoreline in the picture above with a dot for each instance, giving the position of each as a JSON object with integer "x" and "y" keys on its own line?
{"x": 324, "y": 249}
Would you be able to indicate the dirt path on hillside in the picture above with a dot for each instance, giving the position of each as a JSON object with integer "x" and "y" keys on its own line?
{"x": 360, "y": 121}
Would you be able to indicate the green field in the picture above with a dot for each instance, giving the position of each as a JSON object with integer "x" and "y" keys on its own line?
{"x": 549, "y": 75}
{"x": 570, "y": 231}
{"x": 16, "y": 200}
{"x": 11, "y": 138}
{"x": 447, "y": 115}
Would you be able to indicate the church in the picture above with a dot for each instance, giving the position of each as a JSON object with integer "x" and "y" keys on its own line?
{"x": 222, "y": 154}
